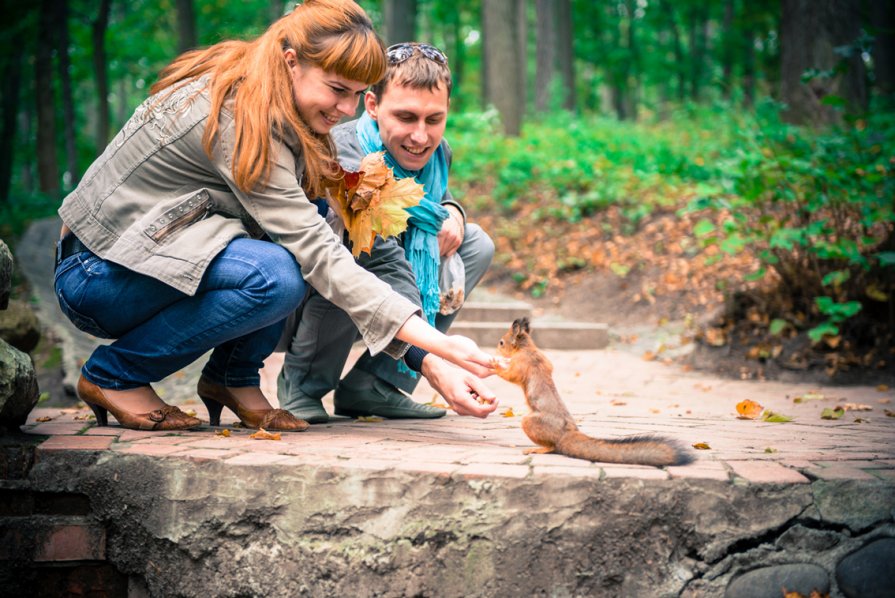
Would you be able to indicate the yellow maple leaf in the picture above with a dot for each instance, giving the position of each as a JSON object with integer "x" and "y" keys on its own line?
{"x": 702, "y": 446}
{"x": 372, "y": 202}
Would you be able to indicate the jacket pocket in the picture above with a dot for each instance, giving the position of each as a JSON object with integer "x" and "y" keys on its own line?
{"x": 182, "y": 215}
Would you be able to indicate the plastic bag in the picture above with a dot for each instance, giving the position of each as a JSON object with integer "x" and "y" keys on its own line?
{"x": 451, "y": 284}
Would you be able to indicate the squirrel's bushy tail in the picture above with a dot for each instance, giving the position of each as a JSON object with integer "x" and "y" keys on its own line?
{"x": 633, "y": 450}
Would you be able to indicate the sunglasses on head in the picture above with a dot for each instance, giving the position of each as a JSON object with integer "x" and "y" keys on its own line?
{"x": 400, "y": 52}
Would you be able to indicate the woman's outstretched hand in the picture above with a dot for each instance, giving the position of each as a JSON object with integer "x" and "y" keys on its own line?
{"x": 459, "y": 350}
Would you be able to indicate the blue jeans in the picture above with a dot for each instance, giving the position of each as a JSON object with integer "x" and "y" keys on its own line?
{"x": 238, "y": 311}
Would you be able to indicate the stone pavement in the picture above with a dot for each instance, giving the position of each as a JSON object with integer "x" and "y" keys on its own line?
{"x": 452, "y": 507}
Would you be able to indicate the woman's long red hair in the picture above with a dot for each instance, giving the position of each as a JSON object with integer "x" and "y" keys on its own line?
{"x": 335, "y": 35}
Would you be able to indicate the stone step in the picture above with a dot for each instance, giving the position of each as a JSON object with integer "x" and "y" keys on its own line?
{"x": 547, "y": 334}
{"x": 491, "y": 311}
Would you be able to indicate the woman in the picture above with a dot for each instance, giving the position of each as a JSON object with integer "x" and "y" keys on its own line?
{"x": 193, "y": 230}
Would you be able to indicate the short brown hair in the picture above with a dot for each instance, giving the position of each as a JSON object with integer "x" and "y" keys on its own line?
{"x": 417, "y": 72}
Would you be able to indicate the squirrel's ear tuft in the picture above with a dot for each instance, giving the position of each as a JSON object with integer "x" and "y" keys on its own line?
{"x": 523, "y": 323}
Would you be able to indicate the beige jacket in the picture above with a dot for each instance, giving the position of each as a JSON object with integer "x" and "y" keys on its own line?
{"x": 155, "y": 203}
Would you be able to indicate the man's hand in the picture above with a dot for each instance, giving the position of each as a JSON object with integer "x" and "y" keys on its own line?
{"x": 465, "y": 353}
{"x": 466, "y": 394}
{"x": 451, "y": 234}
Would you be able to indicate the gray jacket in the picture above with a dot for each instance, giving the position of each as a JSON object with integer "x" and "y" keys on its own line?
{"x": 155, "y": 203}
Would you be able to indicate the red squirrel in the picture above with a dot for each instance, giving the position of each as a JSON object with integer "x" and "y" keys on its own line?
{"x": 550, "y": 424}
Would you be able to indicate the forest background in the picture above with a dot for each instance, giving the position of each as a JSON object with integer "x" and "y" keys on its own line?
{"x": 727, "y": 164}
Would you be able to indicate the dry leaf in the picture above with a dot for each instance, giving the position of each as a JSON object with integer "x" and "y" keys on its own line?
{"x": 263, "y": 434}
{"x": 191, "y": 412}
{"x": 809, "y": 396}
{"x": 84, "y": 417}
{"x": 370, "y": 419}
{"x": 617, "y": 403}
{"x": 889, "y": 413}
{"x": 44, "y": 419}
{"x": 508, "y": 412}
{"x": 775, "y": 418}
{"x": 770, "y": 450}
{"x": 857, "y": 407}
{"x": 832, "y": 413}
{"x": 748, "y": 409}
{"x": 882, "y": 387}
{"x": 884, "y": 401}
{"x": 225, "y": 433}
{"x": 372, "y": 202}
{"x": 655, "y": 411}
{"x": 702, "y": 446}
{"x": 649, "y": 356}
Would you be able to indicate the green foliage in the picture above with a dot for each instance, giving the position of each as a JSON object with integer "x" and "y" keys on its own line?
{"x": 817, "y": 209}
{"x": 575, "y": 166}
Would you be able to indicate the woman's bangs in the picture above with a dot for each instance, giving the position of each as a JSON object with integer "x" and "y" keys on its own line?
{"x": 358, "y": 57}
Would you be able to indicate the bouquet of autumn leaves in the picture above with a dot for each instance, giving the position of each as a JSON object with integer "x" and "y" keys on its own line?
{"x": 372, "y": 202}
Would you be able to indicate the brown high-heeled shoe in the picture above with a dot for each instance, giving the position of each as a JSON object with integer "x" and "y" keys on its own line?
{"x": 168, "y": 417}
{"x": 217, "y": 396}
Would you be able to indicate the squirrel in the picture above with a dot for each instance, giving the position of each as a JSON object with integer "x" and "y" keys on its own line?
{"x": 550, "y": 424}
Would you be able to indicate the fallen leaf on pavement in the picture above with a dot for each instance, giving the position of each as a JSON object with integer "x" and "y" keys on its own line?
{"x": 889, "y": 413}
{"x": 617, "y": 403}
{"x": 369, "y": 418}
{"x": 832, "y": 413}
{"x": 882, "y": 387}
{"x": 508, "y": 412}
{"x": 809, "y": 396}
{"x": 748, "y": 409}
{"x": 225, "y": 433}
{"x": 44, "y": 419}
{"x": 770, "y": 450}
{"x": 884, "y": 401}
{"x": 857, "y": 407}
{"x": 775, "y": 418}
{"x": 702, "y": 446}
{"x": 263, "y": 434}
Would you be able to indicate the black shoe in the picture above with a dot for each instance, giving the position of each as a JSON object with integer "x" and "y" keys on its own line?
{"x": 381, "y": 399}
{"x": 299, "y": 405}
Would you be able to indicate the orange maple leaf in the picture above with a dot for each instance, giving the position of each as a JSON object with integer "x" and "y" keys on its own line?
{"x": 748, "y": 409}
{"x": 372, "y": 202}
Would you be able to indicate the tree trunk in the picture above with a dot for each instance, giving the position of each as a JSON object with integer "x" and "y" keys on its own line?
{"x": 186, "y": 26}
{"x": 522, "y": 48}
{"x": 546, "y": 53}
{"x": 632, "y": 74}
{"x": 698, "y": 25}
{"x": 501, "y": 62}
{"x": 400, "y": 20}
{"x": 565, "y": 51}
{"x": 47, "y": 164}
{"x": 68, "y": 104}
{"x": 275, "y": 10}
{"x": 100, "y": 73}
{"x": 810, "y": 30}
{"x": 11, "y": 80}
{"x": 727, "y": 49}
{"x": 883, "y": 22}
{"x": 748, "y": 66}
{"x": 668, "y": 9}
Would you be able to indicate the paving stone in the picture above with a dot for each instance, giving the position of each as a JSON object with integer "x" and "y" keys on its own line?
{"x": 869, "y": 571}
{"x": 256, "y": 459}
{"x": 769, "y": 581}
{"x": 766, "y": 473}
{"x": 206, "y": 454}
{"x": 152, "y": 450}
{"x": 564, "y": 470}
{"x": 51, "y": 428}
{"x": 839, "y": 472}
{"x": 76, "y": 443}
{"x": 494, "y": 470}
{"x": 638, "y": 473}
{"x": 699, "y": 472}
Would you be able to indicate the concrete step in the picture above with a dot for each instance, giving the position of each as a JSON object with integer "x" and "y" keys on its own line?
{"x": 547, "y": 334}
{"x": 491, "y": 311}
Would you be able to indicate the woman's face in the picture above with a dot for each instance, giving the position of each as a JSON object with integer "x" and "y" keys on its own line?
{"x": 322, "y": 98}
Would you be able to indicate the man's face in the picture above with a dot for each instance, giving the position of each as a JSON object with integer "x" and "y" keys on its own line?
{"x": 411, "y": 122}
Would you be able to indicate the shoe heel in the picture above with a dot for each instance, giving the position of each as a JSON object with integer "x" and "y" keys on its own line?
{"x": 214, "y": 411}
{"x": 101, "y": 413}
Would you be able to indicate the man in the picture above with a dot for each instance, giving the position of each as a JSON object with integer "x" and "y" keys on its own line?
{"x": 405, "y": 116}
